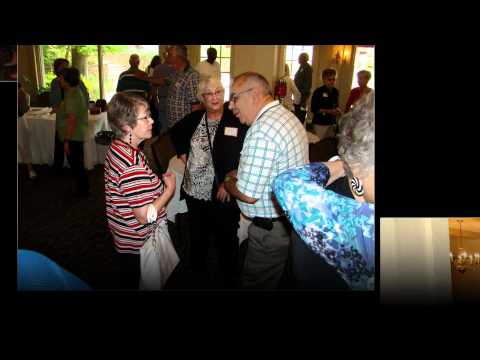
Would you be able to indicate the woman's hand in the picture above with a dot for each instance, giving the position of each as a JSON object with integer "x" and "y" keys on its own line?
{"x": 336, "y": 170}
{"x": 222, "y": 194}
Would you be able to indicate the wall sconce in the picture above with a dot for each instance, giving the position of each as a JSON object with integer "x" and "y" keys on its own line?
{"x": 342, "y": 58}
{"x": 346, "y": 54}
{"x": 337, "y": 58}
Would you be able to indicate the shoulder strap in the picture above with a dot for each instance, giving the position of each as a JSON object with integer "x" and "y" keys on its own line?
{"x": 211, "y": 150}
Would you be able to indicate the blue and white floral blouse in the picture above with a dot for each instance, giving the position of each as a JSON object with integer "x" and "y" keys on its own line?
{"x": 340, "y": 229}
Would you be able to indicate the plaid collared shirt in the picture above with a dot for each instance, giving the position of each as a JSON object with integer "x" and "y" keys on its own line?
{"x": 181, "y": 95}
{"x": 275, "y": 142}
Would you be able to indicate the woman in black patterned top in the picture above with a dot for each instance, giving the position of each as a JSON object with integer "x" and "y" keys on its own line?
{"x": 211, "y": 209}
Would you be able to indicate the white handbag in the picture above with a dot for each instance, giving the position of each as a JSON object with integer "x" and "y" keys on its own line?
{"x": 158, "y": 259}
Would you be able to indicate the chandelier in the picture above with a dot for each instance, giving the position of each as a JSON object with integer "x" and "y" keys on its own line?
{"x": 461, "y": 260}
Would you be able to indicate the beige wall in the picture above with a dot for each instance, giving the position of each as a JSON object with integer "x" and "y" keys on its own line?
{"x": 414, "y": 261}
{"x": 263, "y": 59}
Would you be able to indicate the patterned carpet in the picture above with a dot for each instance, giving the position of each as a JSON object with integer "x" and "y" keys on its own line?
{"x": 74, "y": 233}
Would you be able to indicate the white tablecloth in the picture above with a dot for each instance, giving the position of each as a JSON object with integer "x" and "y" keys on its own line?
{"x": 41, "y": 125}
{"x": 175, "y": 205}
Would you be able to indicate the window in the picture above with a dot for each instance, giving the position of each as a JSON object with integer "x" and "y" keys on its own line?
{"x": 293, "y": 52}
{"x": 85, "y": 58}
{"x": 364, "y": 60}
{"x": 115, "y": 61}
{"x": 223, "y": 58}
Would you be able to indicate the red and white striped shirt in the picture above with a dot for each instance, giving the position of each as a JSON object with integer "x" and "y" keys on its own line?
{"x": 129, "y": 184}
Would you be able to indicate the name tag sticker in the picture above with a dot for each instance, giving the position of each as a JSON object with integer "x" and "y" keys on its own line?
{"x": 230, "y": 131}
{"x": 325, "y": 95}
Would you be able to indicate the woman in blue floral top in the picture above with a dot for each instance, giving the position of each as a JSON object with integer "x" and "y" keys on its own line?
{"x": 338, "y": 228}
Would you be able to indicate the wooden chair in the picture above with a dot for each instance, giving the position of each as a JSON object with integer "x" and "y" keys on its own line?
{"x": 163, "y": 151}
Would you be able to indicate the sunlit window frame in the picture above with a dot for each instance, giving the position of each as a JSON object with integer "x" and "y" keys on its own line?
{"x": 41, "y": 68}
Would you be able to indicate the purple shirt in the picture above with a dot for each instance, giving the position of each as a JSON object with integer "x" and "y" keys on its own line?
{"x": 163, "y": 70}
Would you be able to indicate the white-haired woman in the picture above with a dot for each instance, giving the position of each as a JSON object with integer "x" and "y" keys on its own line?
{"x": 363, "y": 77}
{"x": 335, "y": 222}
{"x": 209, "y": 143}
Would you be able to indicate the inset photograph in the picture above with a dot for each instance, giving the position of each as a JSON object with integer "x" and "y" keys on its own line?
{"x": 430, "y": 261}
{"x": 8, "y": 62}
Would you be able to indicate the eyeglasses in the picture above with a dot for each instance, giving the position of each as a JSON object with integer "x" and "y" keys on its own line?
{"x": 234, "y": 97}
{"x": 146, "y": 117}
{"x": 331, "y": 79}
{"x": 217, "y": 93}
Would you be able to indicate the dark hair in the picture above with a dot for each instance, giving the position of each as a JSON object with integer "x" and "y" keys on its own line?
{"x": 122, "y": 110}
{"x": 155, "y": 61}
{"x": 57, "y": 63}
{"x": 328, "y": 72}
{"x": 71, "y": 76}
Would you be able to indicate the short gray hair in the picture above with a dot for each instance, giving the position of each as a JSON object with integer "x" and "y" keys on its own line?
{"x": 305, "y": 56}
{"x": 202, "y": 84}
{"x": 123, "y": 110}
{"x": 253, "y": 77}
{"x": 357, "y": 137}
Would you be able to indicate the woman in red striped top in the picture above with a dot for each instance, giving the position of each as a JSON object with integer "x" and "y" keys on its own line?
{"x": 135, "y": 196}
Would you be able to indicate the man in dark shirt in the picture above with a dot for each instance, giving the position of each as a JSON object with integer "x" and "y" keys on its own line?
{"x": 134, "y": 79}
{"x": 303, "y": 81}
{"x": 324, "y": 106}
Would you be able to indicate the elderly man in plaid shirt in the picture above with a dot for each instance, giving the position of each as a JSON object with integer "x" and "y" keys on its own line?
{"x": 182, "y": 93}
{"x": 276, "y": 141}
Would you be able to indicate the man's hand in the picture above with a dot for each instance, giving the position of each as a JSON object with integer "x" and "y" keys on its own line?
{"x": 222, "y": 194}
{"x": 230, "y": 180}
{"x": 232, "y": 173}
{"x": 66, "y": 147}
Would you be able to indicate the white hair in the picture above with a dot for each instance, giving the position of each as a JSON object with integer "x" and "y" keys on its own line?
{"x": 357, "y": 136}
{"x": 204, "y": 82}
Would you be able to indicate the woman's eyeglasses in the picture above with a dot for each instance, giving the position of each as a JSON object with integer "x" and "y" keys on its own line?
{"x": 146, "y": 117}
{"x": 217, "y": 93}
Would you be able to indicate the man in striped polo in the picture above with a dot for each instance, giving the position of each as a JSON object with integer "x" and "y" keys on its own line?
{"x": 276, "y": 141}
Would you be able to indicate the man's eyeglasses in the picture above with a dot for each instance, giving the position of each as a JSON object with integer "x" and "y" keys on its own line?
{"x": 146, "y": 117}
{"x": 218, "y": 93}
{"x": 234, "y": 97}
{"x": 331, "y": 79}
